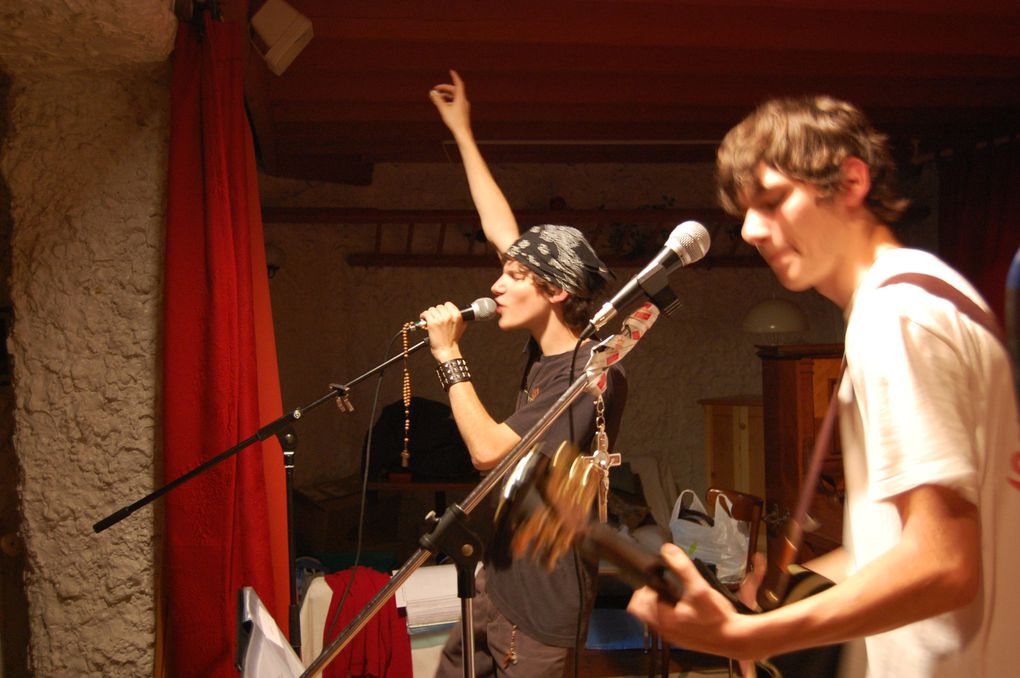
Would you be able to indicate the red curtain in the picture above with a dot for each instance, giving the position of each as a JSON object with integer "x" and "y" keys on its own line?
{"x": 227, "y": 527}
{"x": 979, "y": 214}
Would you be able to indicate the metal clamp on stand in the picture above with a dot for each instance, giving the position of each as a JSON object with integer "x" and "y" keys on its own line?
{"x": 453, "y": 535}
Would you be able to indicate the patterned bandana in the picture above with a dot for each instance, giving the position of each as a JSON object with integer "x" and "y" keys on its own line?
{"x": 561, "y": 256}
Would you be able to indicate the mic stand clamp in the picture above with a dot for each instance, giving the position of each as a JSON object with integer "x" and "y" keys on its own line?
{"x": 343, "y": 400}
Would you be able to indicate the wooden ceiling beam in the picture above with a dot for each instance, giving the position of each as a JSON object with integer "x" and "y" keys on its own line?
{"x": 478, "y": 61}
{"x": 460, "y": 10}
{"x": 512, "y": 119}
{"x": 547, "y": 129}
{"x": 307, "y": 164}
{"x": 678, "y": 90}
{"x": 485, "y": 112}
{"x": 830, "y": 28}
{"x": 342, "y": 169}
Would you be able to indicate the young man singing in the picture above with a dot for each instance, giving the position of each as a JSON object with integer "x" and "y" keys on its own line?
{"x": 526, "y": 620}
{"x": 927, "y": 418}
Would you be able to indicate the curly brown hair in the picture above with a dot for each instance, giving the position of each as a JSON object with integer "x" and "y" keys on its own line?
{"x": 807, "y": 139}
{"x": 577, "y": 309}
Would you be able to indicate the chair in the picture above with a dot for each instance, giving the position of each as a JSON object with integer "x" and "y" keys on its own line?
{"x": 746, "y": 508}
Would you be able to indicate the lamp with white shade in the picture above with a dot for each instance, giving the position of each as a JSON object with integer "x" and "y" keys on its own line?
{"x": 773, "y": 317}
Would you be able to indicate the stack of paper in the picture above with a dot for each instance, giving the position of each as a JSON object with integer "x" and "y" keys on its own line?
{"x": 429, "y": 596}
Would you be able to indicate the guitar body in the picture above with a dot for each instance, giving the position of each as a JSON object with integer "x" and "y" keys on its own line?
{"x": 814, "y": 662}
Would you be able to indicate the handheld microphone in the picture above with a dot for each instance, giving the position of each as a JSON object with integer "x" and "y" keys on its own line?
{"x": 482, "y": 308}
{"x": 687, "y": 243}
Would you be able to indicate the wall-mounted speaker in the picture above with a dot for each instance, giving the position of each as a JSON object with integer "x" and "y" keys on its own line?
{"x": 280, "y": 32}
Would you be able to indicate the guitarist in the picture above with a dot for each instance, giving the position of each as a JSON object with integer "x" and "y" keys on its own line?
{"x": 928, "y": 574}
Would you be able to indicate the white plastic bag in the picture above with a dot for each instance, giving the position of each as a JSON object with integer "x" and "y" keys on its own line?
{"x": 722, "y": 543}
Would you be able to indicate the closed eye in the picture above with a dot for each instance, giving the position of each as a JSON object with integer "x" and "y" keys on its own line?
{"x": 769, "y": 201}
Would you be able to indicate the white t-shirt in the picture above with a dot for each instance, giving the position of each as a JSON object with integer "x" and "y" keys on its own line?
{"x": 929, "y": 399}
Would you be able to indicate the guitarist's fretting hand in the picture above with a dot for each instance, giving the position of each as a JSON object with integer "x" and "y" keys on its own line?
{"x": 703, "y": 620}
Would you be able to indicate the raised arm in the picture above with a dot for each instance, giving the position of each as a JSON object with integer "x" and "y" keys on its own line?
{"x": 498, "y": 221}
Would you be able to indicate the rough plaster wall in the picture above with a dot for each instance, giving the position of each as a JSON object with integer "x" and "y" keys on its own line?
{"x": 333, "y": 320}
{"x": 67, "y": 36}
{"x": 86, "y": 164}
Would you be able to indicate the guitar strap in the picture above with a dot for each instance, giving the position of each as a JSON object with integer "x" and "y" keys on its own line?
{"x": 773, "y": 593}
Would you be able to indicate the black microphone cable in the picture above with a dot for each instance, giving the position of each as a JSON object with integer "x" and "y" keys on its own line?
{"x": 367, "y": 461}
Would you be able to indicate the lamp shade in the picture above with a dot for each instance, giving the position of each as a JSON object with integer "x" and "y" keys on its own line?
{"x": 775, "y": 316}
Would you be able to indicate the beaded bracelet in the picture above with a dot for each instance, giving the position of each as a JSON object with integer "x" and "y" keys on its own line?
{"x": 452, "y": 372}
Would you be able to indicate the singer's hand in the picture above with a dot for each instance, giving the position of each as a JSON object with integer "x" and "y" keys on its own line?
{"x": 451, "y": 102}
{"x": 445, "y": 326}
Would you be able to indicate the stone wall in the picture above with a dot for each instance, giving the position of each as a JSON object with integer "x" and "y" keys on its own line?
{"x": 85, "y": 162}
{"x": 84, "y": 159}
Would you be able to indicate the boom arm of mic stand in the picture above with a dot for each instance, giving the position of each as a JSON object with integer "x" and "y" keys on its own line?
{"x": 266, "y": 431}
{"x": 270, "y": 429}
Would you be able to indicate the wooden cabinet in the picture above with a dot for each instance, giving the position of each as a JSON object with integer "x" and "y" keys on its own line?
{"x": 796, "y": 384}
{"x": 734, "y": 443}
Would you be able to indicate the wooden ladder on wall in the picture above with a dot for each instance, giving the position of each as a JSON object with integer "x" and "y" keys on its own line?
{"x": 453, "y": 238}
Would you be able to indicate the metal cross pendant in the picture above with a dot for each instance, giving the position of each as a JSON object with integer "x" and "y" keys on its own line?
{"x": 602, "y": 459}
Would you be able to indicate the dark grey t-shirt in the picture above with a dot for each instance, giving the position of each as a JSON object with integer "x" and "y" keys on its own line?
{"x": 545, "y": 605}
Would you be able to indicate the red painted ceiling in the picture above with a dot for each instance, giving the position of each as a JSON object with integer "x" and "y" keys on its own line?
{"x": 624, "y": 80}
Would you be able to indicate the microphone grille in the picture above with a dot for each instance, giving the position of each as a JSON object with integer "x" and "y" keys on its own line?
{"x": 690, "y": 240}
{"x": 484, "y": 308}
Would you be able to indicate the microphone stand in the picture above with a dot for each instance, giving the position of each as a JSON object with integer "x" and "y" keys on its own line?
{"x": 283, "y": 430}
{"x": 453, "y": 534}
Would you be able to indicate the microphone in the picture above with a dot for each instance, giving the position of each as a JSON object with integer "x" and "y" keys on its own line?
{"x": 686, "y": 244}
{"x": 482, "y": 308}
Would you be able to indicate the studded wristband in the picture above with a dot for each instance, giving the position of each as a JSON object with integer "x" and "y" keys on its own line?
{"x": 452, "y": 372}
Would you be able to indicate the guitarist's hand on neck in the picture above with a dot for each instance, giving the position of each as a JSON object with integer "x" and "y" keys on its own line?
{"x": 703, "y": 620}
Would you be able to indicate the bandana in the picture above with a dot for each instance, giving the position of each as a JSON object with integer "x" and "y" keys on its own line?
{"x": 561, "y": 256}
